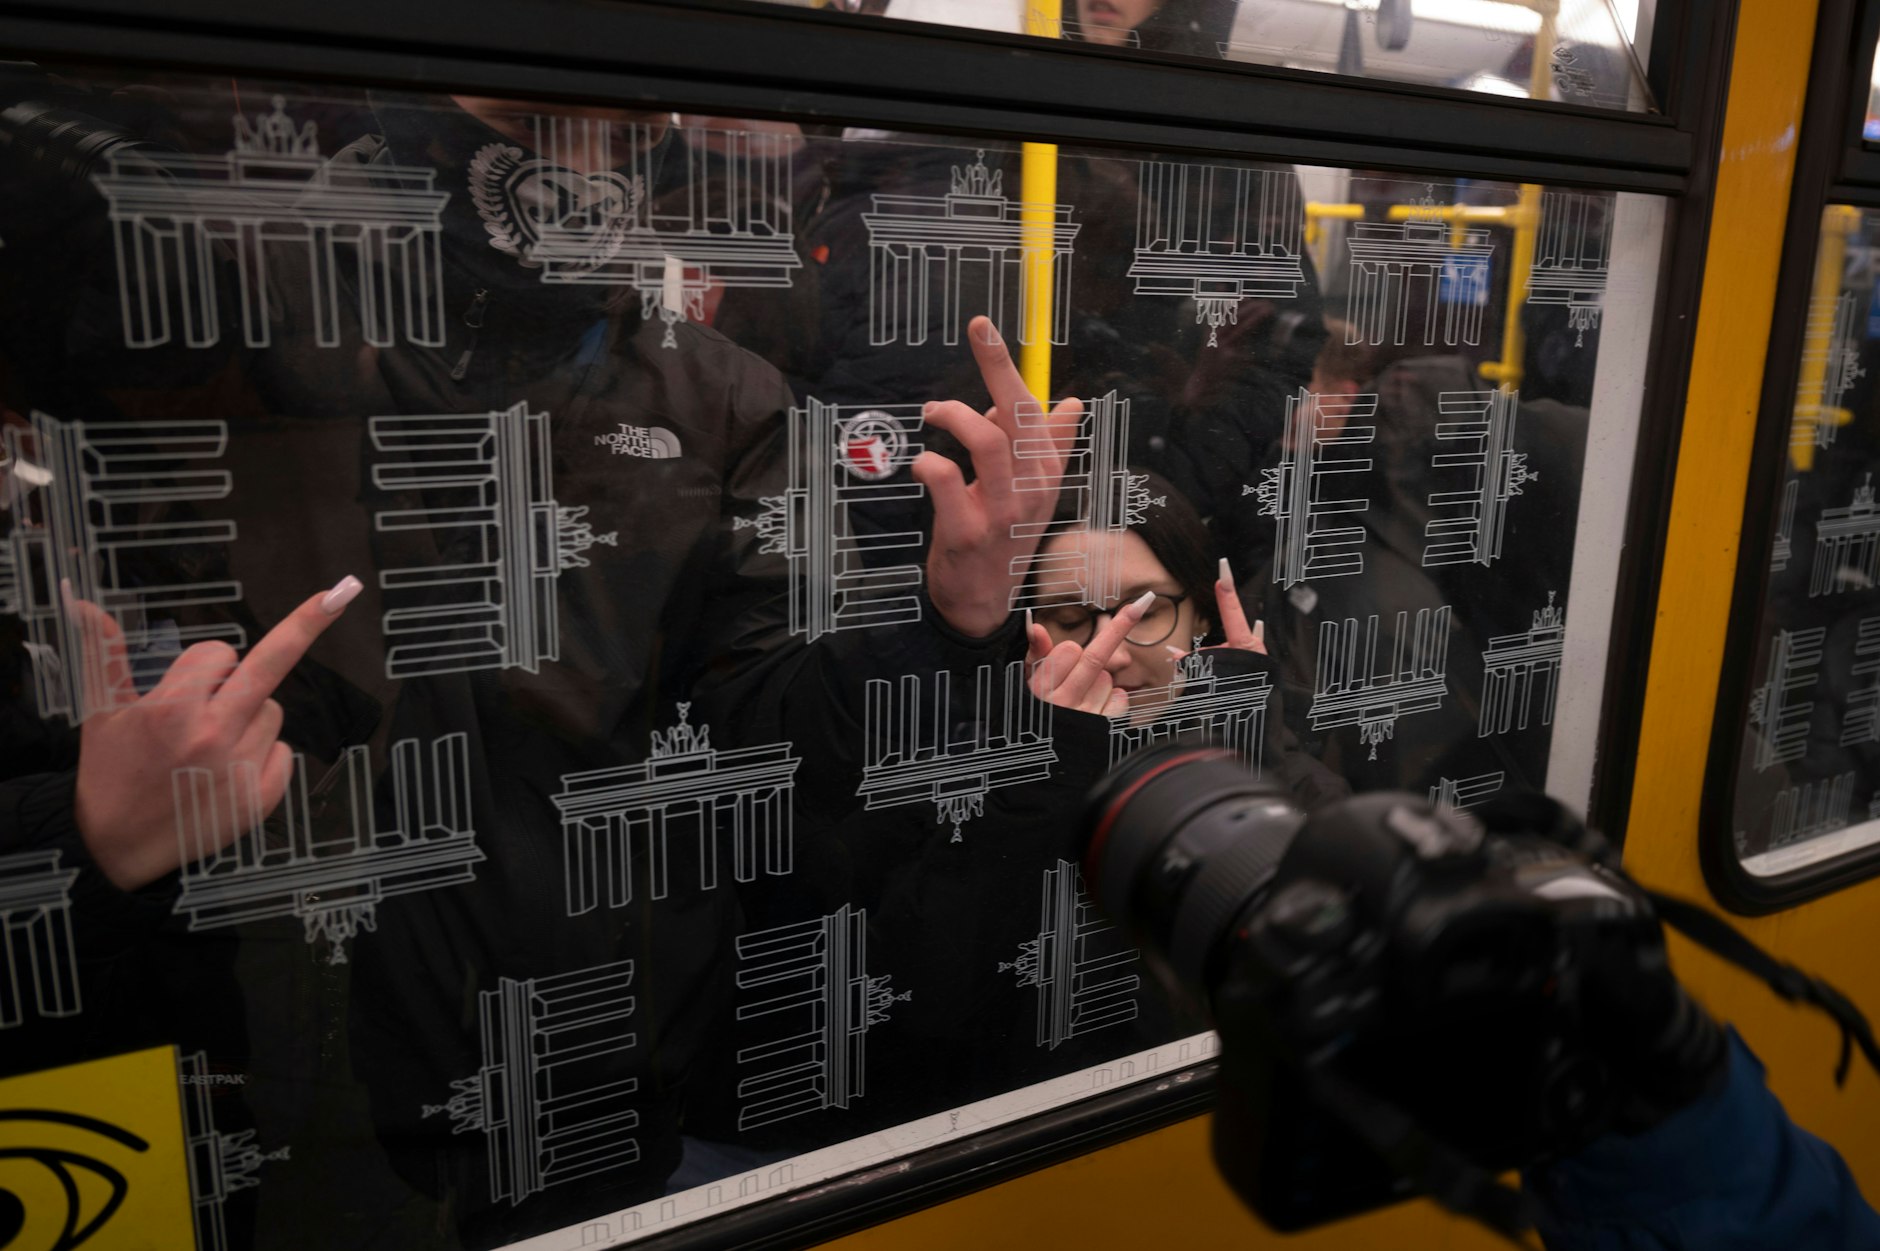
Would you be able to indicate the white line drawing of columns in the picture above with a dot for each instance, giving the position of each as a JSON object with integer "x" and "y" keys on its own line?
{"x": 1466, "y": 792}
{"x": 935, "y": 754}
{"x": 549, "y": 1100}
{"x": 1469, "y": 530}
{"x": 1307, "y": 541}
{"x": 1218, "y": 234}
{"x": 1847, "y": 545}
{"x": 1108, "y": 500}
{"x": 813, "y": 978}
{"x": 1514, "y": 665}
{"x": 237, "y": 869}
{"x": 80, "y": 519}
{"x": 1861, "y": 722}
{"x": 1784, "y": 547}
{"x": 1353, "y": 690}
{"x": 1810, "y": 809}
{"x": 1229, "y": 712}
{"x": 484, "y": 475}
{"x": 1776, "y": 708}
{"x": 36, "y": 948}
{"x": 727, "y": 224}
{"x": 219, "y": 1164}
{"x": 972, "y": 238}
{"x": 687, "y": 788}
{"x": 1830, "y": 353}
{"x": 174, "y": 214}
{"x": 835, "y": 584}
{"x": 1076, "y": 963}
{"x": 1391, "y": 260}
{"x": 1572, "y": 256}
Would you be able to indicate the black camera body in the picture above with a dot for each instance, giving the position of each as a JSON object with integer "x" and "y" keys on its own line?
{"x": 1397, "y": 990}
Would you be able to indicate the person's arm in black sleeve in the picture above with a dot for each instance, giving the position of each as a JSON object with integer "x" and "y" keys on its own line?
{"x": 775, "y": 686}
{"x": 1728, "y": 1172}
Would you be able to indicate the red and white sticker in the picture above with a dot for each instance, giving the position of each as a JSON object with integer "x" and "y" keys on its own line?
{"x": 873, "y": 445}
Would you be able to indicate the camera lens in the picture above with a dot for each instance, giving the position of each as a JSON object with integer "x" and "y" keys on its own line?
{"x": 60, "y": 144}
{"x": 1181, "y": 841}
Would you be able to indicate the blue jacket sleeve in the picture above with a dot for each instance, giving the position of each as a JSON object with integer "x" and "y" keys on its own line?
{"x": 1729, "y": 1172}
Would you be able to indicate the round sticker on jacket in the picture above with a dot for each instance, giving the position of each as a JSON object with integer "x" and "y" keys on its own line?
{"x": 873, "y": 445}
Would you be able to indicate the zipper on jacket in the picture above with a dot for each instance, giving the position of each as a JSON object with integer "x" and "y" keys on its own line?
{"x": 473, "y": 318}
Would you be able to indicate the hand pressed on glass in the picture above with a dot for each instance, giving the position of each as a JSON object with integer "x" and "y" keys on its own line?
{"x": 970, "y": 576}
{"x": 209, "y": 712}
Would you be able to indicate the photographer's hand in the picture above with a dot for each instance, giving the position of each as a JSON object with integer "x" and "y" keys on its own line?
{"x": 1074, "y": 675}
{"x": 973, "y": 566}
{"x": 207, "y": 712}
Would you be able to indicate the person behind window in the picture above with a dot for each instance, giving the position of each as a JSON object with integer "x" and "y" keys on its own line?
{"x": 1188, "y": 27}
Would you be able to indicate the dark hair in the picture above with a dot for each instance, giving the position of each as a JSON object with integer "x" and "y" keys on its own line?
{"x": 1177, "y": 538}
{"x": 1342, "y": 359}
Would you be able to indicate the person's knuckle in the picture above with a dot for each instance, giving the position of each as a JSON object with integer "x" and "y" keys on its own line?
{"x": 202, "y": 739}
{"x": 213, "y": 653}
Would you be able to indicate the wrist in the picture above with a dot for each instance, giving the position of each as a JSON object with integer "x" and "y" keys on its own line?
{"x": 976, "y": 623}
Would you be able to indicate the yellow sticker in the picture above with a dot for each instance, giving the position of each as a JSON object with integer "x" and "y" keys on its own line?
{"x": 93, "y": 1156}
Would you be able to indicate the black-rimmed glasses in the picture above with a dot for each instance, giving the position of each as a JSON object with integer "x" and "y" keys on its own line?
{"x": 1077, "y": 623}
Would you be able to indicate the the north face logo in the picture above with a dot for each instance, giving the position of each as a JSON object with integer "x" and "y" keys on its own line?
{"x": 649, "y": 442}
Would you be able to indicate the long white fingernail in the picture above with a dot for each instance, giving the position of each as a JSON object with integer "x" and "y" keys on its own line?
{"x": 1141, "y": 602}
{"x": 344, "y": 592}
{"x": 1176, "y": 652}
{"x": 1028, "y": 621}
{"x": 1227, "y": 574}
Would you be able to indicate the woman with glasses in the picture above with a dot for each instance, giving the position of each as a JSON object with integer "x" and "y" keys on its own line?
{"x": 1123, "y": 659}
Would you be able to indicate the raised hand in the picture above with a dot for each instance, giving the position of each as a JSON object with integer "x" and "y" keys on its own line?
{"x": 1233, "y": 618}
{"x": 1078, "y": 675}
{"x": 207, "y": 712}
{"x": 983, "y": 533}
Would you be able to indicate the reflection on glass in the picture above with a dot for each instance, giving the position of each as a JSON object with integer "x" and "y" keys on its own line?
{"x": 769, "y": 533}
{"x": 1870, "y": 129}
{"x": 1576, "y": 51}
{"x": 1808, "y": 781}
{"x": 1585, "y": 52}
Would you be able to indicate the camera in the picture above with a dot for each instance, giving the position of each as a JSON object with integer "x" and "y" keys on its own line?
{"x": 1410, "y": 999}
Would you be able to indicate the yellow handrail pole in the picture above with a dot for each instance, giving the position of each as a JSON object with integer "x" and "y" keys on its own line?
{"x": 1320, "y": 211}
{"x": 1541, "y": 73}
{"x": 1837, "y": 223}
{"x": 1037, "y": 228}
{"x": 1038, "y": 221}
{"x": 1524, "y": 218}
{"x": 1506, "y": 373}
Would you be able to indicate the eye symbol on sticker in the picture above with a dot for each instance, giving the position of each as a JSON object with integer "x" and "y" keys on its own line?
{"x": 58, "y": 1186}
{"x": 873, "y": 445}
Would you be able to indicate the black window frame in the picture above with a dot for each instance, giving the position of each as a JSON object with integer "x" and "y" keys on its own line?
{"x": 756, "y": 60}
{"x": 1833, "y": 165}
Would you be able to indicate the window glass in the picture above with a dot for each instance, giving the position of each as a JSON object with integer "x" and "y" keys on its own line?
{"x": 685, "y": 810}
{"x": 1586, "y": 52}
{"x": 1808, "y": 775}
{"x": 1870, "y": 129}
